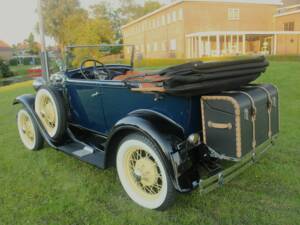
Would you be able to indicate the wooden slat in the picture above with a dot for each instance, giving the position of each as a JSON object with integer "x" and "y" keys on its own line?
{"x": 149, "y": 89}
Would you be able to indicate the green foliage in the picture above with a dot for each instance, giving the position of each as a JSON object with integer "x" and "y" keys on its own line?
{"x": 4, "y": 70}
{"x": 49, "y": 187}
{"x": 13, "y": 62}
{"x": 68, "y": 23}
{"x": 55, "y": 14}
{"x": 33, "y": 47}
{"x": 130, "y": 9}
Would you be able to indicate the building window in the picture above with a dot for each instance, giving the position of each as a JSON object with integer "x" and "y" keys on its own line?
{"x": 174, "y": 16}
{"x": 173, "y": 45}
{"x": 290, "y": 26}
{"x": 148, "y": 48}
{"x": 163, "y": 20}
{"x": 180, "y": 14}
{"x": 142, "y": 48}
{"x": 155, "y": 46}
{"x": 233, "y": 14}
{"x": 168, "y": 18}
{"x": 163, "y": 46}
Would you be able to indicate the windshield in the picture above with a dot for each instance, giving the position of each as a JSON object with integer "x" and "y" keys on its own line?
{"x": 107, "y": 54}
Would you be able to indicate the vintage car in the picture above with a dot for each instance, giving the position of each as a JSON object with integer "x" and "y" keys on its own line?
{"x": 166, "y": 131}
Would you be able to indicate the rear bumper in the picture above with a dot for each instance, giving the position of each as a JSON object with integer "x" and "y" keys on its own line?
{"x": 223, "y": 177}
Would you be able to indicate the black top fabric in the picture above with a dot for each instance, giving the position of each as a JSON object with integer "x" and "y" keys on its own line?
{"x": 198, "y": 78}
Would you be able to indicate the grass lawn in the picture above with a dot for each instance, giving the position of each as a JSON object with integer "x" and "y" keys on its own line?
{"x": 21, "y": 70}
{"x": 49, "y": 187}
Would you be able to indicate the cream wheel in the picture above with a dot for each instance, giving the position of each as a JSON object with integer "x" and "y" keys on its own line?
{"x": 28, "y": 131}
{"x": 50, "y": 110}
{"x": 143, "y": 174}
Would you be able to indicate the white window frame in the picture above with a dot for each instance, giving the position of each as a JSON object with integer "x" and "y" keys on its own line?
{"x": 155, "y": 47}
{"x": 163, "y": 20}
{"x": 163, "y": 46}
{"x": 148, "y": 48}
{"x": 233, "y": 14}
{"x": 174, "y": 16}
{"x": 180, "y": 14}
{"x": 173, "y": 44}
{"x": 169, "y": 18}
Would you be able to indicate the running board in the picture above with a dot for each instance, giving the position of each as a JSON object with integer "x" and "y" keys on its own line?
{"x": 84, "y": 153}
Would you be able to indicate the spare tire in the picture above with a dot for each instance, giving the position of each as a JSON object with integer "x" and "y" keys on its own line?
{"x": 50, "y": 108}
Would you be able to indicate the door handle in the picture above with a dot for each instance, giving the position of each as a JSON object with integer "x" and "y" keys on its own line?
{"x": 95, "y": 94}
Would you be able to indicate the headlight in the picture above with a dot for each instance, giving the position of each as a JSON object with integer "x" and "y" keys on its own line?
{"x": 38, "y": 82}
{"x": 194, "y": 139}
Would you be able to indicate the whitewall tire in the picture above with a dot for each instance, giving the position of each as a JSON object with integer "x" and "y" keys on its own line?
{"x": 143, "y": 174}
{"x": 50, "y": 109}
{"x": 28, "y": 131}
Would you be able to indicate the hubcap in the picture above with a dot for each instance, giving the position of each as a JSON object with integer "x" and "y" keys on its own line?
{"x": 144, "y": 173}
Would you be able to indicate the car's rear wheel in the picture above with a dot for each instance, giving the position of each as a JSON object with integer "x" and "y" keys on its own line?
{"x": 50, "y": 109}
{"x": 28, "y": 131}
{"x": 143, "y": 174}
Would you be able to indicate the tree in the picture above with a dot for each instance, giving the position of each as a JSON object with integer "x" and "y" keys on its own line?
{"x": 32, "y": 45}
{"x": 4, "y": 70}
{"x": 103, "y": 11}
{"x": 130, "y": 10}
{"x": 55, "y": 13}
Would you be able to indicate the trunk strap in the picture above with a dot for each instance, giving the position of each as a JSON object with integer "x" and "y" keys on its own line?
{"x": 253, "y": 117}
{"x": 269, "y": 106}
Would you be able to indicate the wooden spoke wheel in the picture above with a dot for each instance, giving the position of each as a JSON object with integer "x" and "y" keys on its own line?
{"x": 143, "y": 174}
{"x": 28, "y": 131}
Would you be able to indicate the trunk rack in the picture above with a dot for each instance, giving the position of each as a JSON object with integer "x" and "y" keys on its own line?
{"x": 218, "y": 180}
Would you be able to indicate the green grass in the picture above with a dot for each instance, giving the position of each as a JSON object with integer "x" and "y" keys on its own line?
{"x": 48, "y": 187}
{"x": 21, "y": 69}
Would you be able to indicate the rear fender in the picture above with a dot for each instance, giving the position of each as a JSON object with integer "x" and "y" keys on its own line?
{"x": 27, "y": 101}
{"x": 162, "y": 131}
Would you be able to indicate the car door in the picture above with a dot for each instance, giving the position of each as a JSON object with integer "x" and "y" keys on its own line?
{"x": 85, "y": 103}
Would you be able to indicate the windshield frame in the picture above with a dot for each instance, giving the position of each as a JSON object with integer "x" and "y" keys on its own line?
{"x": 71, "y": 47}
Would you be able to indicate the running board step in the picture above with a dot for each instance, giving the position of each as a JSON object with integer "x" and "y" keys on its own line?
{"x": 84, "y": 153}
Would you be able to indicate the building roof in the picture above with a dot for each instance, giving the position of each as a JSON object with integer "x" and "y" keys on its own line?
{"x": 4, "y": 44}
{"x": 263, "y": 2}
{"x": 292, "y": 9}
{"x": 290, "y": 2}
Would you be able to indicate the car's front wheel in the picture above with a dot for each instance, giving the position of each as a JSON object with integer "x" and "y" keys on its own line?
{"x": 28, "y": 131}
{"x": 143, "y": 173}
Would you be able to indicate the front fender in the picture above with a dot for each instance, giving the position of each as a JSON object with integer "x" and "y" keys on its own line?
{"x": 27, "y": 101}
{"x": 165, "y": 138}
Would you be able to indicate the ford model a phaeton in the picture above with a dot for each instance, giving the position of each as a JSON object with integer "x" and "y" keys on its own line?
{"x": 167, "y": 131}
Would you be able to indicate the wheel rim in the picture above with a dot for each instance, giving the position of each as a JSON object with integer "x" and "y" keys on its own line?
{"x": 26, "y": 129}
{"x": 46, "y": 111}
{"x": 143, "y": 173}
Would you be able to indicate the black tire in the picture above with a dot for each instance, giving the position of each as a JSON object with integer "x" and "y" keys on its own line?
{"x": 30, "y": 137}
{"x": 151, "y": 187}
{"x": 55, "y": 119}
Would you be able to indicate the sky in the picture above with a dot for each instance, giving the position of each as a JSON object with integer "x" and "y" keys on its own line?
{"x": 18, "y": 18}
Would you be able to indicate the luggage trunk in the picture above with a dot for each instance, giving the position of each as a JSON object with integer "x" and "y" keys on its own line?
{"x": 236, "y": 122}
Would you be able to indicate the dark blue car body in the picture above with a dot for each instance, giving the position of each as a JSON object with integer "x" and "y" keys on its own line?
{"x": 99, "y": 105}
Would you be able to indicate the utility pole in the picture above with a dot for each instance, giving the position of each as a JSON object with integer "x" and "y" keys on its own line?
{"x": 44, "y": 57}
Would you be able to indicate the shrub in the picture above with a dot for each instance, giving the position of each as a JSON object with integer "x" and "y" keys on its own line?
{"x": 13, "y": 62}
{"x": 27, "y": 61}
{"x": 4, "y": 70}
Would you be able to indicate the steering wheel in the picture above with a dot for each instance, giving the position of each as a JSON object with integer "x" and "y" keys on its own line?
{"x": 105, "y": 73}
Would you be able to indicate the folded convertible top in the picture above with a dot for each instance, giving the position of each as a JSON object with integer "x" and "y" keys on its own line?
{"x": 199, "y": 78}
